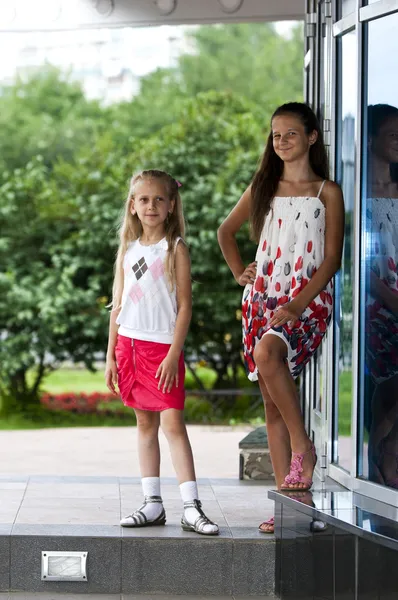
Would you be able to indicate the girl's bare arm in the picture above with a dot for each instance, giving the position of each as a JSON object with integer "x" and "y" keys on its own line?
{"x": 111, "y": 368}
{"x": 184, "y": 298}
{"x": 226, "y": 238}
{"x": 167, "y": 372}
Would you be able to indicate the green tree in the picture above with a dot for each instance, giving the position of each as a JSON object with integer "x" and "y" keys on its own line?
{"x": 248, "y": 59}
{"x": 51, "y": 303}
{"x": 47, "y": 115}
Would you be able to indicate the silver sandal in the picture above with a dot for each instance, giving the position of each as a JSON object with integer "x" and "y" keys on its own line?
{"x": 139, "y": 519}
{"x": 201, "y": 521}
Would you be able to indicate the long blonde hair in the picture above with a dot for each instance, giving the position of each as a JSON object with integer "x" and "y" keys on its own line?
{"x": 130, "y": 229}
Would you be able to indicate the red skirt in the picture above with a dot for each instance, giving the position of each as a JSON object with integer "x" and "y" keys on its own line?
{"x": 137, "y": 364}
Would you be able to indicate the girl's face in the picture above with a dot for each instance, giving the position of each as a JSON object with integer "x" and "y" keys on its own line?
{"x": 151, "y": 202}
{"x": 290, "y": 140}
{"x": 385, "y": 143}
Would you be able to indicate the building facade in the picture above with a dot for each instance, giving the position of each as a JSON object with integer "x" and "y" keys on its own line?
{"x": 351, "y": 394}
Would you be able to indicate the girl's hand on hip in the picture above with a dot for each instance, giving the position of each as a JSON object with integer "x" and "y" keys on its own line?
{"x": 248, "y": 275}
{"x": 167, "y": 373}
{"x": 111, "y": 376}
{"x": 288, "y": 313}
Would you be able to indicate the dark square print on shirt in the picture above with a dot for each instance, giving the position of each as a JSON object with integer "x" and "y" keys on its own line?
{"x": 140, "y": 268}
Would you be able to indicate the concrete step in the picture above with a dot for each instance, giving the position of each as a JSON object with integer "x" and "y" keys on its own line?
{"x": 81, "y": 514}
{"x": 49, "y": 596}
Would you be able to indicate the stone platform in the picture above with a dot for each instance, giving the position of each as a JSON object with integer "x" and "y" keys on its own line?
{"x": 81, "y": 514}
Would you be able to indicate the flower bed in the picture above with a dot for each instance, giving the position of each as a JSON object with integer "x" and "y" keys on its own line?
{"x": 82, "y": 403}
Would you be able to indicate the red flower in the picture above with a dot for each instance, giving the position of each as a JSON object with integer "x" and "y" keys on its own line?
{"x": 264, "y": 245}
{"x": 309, "y": 247}
{"x": 270, "y": 269}
{"x": 304, "y": 282}
{"x": 391, "y": 264}
{"x": 299, "y": 264}
{"x": 293, "y": 282}
{"x": 280, "y": 223}
{"x": 318, "y": 311}
{"x": 278, "y": 253}
{"x": 250, "y": 364}
{"x": 259, "y": 284}
{"x": 278, "y": 287}
{"x": 255, "y": 307}
{"x": 283, "y": 300}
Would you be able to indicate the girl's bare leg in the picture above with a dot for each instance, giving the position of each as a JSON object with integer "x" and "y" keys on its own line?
{"x": 278, "y": 442}
{"x": 149, "y": 458}
{"x": 269, "y": 355}
{"x": 148, "y": 442}
{"x": 278, "y": 437}
{"x": 173, "y": 426}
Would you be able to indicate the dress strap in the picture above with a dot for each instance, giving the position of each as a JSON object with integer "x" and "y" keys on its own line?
{"x": 177, "y": 240}
{"x": 321, "y": 188}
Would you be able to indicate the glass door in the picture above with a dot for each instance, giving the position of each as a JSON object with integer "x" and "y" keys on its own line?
{"x": 318, "y": 83}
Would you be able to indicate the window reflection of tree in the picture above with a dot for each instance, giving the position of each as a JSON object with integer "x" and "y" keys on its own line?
{"x": 348, "y": 187}
{"x": 382, "y": 292}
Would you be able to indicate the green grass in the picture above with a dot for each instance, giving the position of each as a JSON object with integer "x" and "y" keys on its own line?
{"x": 345, "y": 403}
{"x": 74, "y": 380}
{"x": 81, "y": 380}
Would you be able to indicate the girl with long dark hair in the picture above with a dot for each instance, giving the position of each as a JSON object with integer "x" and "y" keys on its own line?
{"x": 297, "y": 217}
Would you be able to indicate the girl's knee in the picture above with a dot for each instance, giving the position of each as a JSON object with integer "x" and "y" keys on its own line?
{"x": 147, "y": 422}
{"x": 268, "y": 356}
{"x": 173, "y": 425}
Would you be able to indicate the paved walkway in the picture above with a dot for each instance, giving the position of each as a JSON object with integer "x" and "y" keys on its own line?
{"x": 102, "y": 451}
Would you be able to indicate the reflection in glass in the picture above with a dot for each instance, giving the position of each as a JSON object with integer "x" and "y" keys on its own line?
{"x": 381, "y": 325}
{"x": 344, "y": 279}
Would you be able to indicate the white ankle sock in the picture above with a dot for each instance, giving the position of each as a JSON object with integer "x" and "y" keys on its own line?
{"x": 151, "y": 487}
{"x": 189, "y": 491}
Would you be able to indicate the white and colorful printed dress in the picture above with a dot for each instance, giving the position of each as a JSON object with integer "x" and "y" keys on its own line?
{"x": 290, "y": 251}
{"x": 381, "y": 324}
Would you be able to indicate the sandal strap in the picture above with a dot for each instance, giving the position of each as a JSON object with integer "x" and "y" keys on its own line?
{"x": 195, "y": 503}
{"x": 201, "y": 522}
{"x": 296, "y": 469}
{"x": 153, "y": 500}
{"x": 138, "y": 517}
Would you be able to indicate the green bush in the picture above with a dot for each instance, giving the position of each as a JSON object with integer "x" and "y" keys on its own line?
{"x": 198, "y": 410}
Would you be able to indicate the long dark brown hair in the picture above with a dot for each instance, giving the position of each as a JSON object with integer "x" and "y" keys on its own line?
{"x": 378, "y": 114}
{"x": 265, "y": 181}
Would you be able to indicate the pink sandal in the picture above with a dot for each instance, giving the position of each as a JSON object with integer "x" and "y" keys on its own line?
{"x": 270, "y": 523}
{"x": 295, "y": 475}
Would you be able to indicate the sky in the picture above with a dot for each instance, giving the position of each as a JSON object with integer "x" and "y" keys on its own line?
{"x": 154, "y": 46}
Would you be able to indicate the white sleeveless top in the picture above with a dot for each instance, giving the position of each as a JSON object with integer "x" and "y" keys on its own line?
{"x": 149, "y": 308}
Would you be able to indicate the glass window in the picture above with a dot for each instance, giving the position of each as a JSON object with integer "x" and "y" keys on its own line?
{"x": 345, "y": 7}
{"x": 379, "y": 415}
{"x": 345, "y": 163}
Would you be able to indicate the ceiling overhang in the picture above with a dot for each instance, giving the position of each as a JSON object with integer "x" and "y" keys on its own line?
{"x": 53, "y": 15}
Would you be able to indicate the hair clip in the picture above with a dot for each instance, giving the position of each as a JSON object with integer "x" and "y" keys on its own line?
{"x": 178, "y": 183}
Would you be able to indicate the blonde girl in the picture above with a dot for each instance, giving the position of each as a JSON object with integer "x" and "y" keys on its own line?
{"x": 151, "y": 312}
